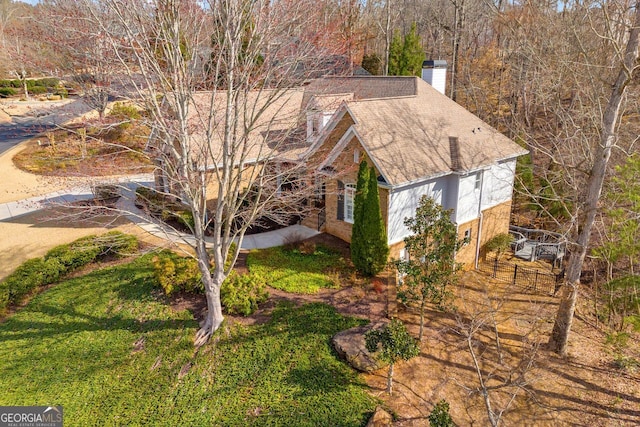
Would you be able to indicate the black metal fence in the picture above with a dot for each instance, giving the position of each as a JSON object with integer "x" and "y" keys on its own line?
{"x": 527, "y": 279}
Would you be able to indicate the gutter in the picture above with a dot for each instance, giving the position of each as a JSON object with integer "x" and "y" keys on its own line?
{"x": 481, "y": 220}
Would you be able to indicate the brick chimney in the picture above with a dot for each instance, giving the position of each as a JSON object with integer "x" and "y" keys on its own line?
{"x": 434, "y": 72}
{"x": 454, "y": 151}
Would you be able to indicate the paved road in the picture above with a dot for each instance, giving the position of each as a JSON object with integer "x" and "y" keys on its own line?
{"x": 41, "y": 118}
{"x": 12, "y": 135}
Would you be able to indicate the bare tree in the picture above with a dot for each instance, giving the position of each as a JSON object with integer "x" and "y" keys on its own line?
{"x": 503, "y": 372}
{"x": 626, "y": 55}
{"x": 220, "y": 151}
{"x": 20, "y": 42}
{"x": 567, "y": 75}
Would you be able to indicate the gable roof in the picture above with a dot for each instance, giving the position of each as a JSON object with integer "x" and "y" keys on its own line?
{"x": 408, "y": 137}
{"x": 403, "y": 123}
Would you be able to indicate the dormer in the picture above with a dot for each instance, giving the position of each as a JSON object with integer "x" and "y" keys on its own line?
{"x": 315, "y": 122}
{"x": 320, "y": 109}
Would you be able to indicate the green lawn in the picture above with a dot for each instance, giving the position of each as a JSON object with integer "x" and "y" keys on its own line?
{"x": 75, "y": 345}
{"x": 293, "y": 271}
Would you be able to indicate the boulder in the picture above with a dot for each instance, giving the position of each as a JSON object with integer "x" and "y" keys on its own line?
{"x": 350, "y": 346}
{"x": 380, "y": 418}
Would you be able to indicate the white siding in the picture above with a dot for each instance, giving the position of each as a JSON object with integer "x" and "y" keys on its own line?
{"x": 468, "y": 198}
{"x": 457, "y": 192}
{"x": 436, "y": 77}
{"x": 403, "y": 204}
{"x": 498, "y": 184}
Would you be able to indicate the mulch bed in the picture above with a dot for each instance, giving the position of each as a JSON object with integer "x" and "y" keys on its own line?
{"x": 362, "y": 298}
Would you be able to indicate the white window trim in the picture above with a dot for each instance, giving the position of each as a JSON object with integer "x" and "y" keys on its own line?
{"x": 349, "y": 196}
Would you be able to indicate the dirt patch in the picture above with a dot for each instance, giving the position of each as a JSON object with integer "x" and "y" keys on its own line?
{"x": 195, "y": 303}
{"x": 544, "y": 389}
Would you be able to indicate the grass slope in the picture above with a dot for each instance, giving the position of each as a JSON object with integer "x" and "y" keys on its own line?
{"x": 293, "y": 271}
{"x": 110, "y": 351}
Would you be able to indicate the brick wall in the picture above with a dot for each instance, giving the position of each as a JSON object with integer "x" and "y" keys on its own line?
{"x": 347, "y": 172}
{"x": 495, "y": 221}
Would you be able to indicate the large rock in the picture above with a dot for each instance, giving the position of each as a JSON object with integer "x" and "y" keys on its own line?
{"x": 350, "y": 346}
{"x": 380, "y": 418}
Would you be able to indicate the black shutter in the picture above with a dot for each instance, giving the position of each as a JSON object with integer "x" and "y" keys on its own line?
{"x": 340, "y": 209}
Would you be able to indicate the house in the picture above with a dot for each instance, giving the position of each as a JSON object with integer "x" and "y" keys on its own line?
{"x": 419, "y": 142}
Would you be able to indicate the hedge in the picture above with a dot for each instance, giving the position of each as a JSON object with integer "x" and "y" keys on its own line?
{"x": 7, "y": 91}
{"x": 61, "y": 260}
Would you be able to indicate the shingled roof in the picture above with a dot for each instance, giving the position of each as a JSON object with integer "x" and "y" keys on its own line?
{"x": 415, "y": 136}
{"x": 410, "y": 130}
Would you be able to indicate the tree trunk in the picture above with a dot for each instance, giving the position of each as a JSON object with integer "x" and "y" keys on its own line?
{"x": 212, "y": 283}
{"x": 387, "y": 38}
{"x": 569, "y": 295}
{"x": 458, "y": 26}
{"x": 213, "y": 319}
{"x": 25, "y": 87}
{"x": 421, "y": 321}
{"x": 390, "y": 379}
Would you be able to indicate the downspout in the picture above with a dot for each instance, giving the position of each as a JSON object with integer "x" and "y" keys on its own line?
{"x": 481, "y": 219}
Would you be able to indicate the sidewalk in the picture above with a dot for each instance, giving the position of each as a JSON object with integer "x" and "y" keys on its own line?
{"x": 11, "y": 210}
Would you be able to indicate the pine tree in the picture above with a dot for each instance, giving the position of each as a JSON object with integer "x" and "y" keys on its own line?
{"x": 395, "y": 54}
{"x": 377, "y": 249}
{"x": 358, "y": 234}
{"x": 406, "y": 54}
{"x": 412, "y": 54}
{"x": 369, "y": 250}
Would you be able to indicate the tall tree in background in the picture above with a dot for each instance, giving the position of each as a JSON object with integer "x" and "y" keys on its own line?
{"x": 406, "y": 54}
{"x": 431, "y": 269}
{"x": 395, "y": 55}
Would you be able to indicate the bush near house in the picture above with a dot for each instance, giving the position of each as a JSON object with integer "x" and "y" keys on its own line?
{"x": 240, "y": 294}
{"x": 175, "y": 273}
{"x": 499, "y": 244}
{"x": 62, "y": 260}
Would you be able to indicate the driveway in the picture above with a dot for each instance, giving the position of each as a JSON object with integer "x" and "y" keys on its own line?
{"x": 21, "y": 120}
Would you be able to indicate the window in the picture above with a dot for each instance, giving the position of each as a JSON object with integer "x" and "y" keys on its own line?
{"x": 356, "y": 156}
{"x": 478, "y": 180}
{"x": 467, "y": 236}
{"x": 349, "y": 193}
